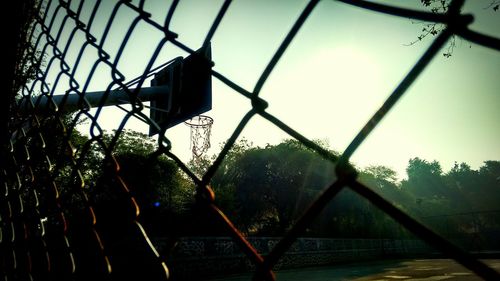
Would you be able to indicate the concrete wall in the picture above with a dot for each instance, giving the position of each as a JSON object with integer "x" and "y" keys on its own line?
{"x": 198, "y": 257}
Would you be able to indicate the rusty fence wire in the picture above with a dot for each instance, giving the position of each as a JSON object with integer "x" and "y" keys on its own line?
{"x": 42, "y": 178}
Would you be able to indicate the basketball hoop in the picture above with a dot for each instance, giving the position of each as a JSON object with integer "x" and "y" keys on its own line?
{"x": 201, "y": 126}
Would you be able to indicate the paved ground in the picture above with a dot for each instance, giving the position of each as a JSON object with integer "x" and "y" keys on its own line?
{"x": 391, "y": 270}
{"x": 429, "y": 269}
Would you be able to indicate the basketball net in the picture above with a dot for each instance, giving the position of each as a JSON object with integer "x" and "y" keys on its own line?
{"x": 200, "y": 126}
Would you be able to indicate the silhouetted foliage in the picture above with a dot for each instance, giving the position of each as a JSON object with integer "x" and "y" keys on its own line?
{"x": 271, "y": 185}
{"x": 430, "y": 29}
{"x": 265, "y": 189}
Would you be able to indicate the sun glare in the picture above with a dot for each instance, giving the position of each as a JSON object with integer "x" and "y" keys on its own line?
{"x": 329, "y": 94}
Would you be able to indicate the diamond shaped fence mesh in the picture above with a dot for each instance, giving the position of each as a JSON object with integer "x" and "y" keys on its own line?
{"x": 61, "y": 223}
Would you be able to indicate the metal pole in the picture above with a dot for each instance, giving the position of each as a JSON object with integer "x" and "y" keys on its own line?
{"x": 73, "y": 101}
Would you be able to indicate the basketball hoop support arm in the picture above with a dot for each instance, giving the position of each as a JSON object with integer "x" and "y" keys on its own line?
{"x": 94, "y": 99}
{"x": 178, "y": 92}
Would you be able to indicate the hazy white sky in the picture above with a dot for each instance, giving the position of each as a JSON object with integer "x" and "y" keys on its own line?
{"x": 340, "y": 68}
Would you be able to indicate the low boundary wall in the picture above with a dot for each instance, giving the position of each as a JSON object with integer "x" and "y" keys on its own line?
{"x": 200, "y": 257}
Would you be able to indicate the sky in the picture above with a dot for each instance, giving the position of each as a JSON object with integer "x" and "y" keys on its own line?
{"x": 337, "y": 72}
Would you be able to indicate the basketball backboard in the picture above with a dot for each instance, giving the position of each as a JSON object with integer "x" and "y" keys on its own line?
{"x": 190, "y": 81}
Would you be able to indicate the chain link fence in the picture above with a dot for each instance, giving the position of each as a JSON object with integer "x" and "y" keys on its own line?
{"x": 51, "y": 226}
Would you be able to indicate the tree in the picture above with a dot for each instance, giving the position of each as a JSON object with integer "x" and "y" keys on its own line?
{"x": 271, "y": 185}
{"x": 458, "y": 182}
{"x": 383, "y": 180}
{"x": 161, "y": 192}
{"x": 383, "y": 174}
{"x": 487, "y": 188}
{"x": 433, "y": 29}
{"x": 28, "y": 59}
{"x": 424, "y": 179}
